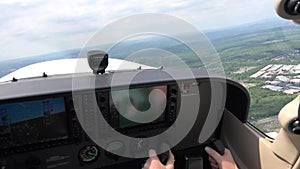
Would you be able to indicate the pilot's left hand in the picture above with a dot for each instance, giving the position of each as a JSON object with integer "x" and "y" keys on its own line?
{"x": 153, "y": 161}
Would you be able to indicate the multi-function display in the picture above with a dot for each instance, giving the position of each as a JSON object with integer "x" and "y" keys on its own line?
{"x": 136, "y": 102}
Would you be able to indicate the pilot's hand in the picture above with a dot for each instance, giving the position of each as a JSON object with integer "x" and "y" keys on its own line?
{"x": 220, "y": 162}
{"x": 153, "y": 161}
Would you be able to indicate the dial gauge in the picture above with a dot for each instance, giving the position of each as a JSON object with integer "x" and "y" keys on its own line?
{"x": 88, "y": 154}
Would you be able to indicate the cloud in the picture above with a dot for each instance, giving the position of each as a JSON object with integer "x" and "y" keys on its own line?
{"x": 36, "y": 26}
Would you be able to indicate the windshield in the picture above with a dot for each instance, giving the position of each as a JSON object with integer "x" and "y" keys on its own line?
{"x": 34, "y": 31}
{"x": 243, "y": 40}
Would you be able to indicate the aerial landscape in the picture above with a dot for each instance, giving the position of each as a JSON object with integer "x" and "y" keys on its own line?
{"x": 273, "y": 44}
{"x": 263, "y": 56}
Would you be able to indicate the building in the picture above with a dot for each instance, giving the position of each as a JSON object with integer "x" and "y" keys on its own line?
{"x": 257, "y": 74}
{"x": 295, "y": 81}
{"x": 275, "y": 83}
{"x": 267, "y": 75}
{"x": 275, "y": 68}
{"x": 266, "y": 67}
{"x": 282, "y": 79}
{"x": 291, "y": 91}
{"x": 294, "y": 87}
{"x": 270, "y": 70}
{"x": 273, "y": 88}
{"x": 286, "y": 69}
{"x": 286, "y": 80}
{"x": 296, "y": 69}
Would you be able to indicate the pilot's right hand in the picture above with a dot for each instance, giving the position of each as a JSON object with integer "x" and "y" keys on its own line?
{"x": 220, "y": 162}
{"x": 153, "y": 161}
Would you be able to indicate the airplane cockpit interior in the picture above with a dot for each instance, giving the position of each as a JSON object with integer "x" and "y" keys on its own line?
{"x": 106, "y": 108}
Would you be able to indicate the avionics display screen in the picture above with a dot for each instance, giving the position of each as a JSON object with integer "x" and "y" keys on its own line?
{"x": 138, "y": 103}
{"x": 31, "y": 122}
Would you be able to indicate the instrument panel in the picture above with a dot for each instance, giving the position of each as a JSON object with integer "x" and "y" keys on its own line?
{"x": 50, "y": 130}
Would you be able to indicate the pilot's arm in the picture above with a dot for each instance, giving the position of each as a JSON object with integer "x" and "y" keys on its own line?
{"x": 153, "y": 161}
{"x": 220, "y": 162}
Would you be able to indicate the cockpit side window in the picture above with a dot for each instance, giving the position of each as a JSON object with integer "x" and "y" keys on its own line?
{"x": 265, "y": 58}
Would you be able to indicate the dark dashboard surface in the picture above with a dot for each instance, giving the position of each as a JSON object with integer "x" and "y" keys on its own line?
{"x": 50, "y": 122}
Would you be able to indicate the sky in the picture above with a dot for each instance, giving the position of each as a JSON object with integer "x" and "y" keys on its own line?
{"x": 33, "y": 27}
